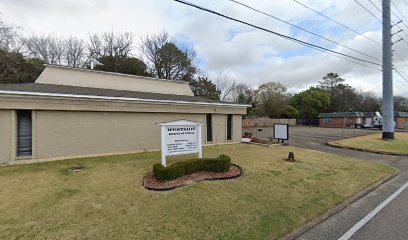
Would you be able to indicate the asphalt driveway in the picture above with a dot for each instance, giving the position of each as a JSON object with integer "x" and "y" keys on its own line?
{"x": 390, "y": 222}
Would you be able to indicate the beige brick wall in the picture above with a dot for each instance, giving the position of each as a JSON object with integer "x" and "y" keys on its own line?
{"x": 237, "y": 128}
{"x": 60, "y": 133}
{"x": 7, "y": 132}
{"x": 219, "y": 124}
{"x": 72, "y": 133}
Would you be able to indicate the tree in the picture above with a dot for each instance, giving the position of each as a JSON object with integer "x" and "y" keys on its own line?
{"x": 55, "y": 50}
{"x": 174, "y": 63}
{"x": 291, "y": 112}
{"x": 272, "y": 100}
{"x": 15, "y": 69}
{"x": 167, "y": 60}
{"x": 75, "y": 52}
{"x": 225, "y": 85}
{"x": 345, "y": 99}
{"x": 126, "y": 65}
{"x": 369, "y": 103}
{"x": 241, "y": 93}
{"x": 9, "y": 37}
{"x": 203, "y": 87}
{"x": 112, "y": 52}
{"x": 311, "y": 102}
{"x": 331, "y": 82}
{"x": 110, "y": 44}
{"x": 49, "y": 49}
{"x": 400, "y": 104}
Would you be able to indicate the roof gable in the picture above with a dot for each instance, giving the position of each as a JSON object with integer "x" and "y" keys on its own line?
{"x": 78, "y": 77}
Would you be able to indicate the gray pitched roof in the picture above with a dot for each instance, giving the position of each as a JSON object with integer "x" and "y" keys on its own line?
{"x": 341, "y": 115}
{"x": 401, "y": 114}
{"x": 356, "y": 114}
{"x": 86, "y": 91}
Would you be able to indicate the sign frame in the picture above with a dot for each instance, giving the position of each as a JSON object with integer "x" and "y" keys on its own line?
{"x": 179, "y": 124}
{"x": 275, "y": 131}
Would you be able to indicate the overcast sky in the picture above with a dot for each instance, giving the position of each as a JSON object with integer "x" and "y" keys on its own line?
{"x": 250, "y": 55}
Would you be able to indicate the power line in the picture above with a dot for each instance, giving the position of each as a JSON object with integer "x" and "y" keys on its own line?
{"x": 303, "y": 29}
{"x": 337, "y": 22}
{"x": 275, "y": 33}
{"x": 398, "y": 16}
{"x": 366, "y": 9}
{"x": 401, "y": 75}
{"x": 400, "y": 58}
{"x": 405, "y": 77}
{"x": 376, "y": 7}
{"x": 399, "y": 12}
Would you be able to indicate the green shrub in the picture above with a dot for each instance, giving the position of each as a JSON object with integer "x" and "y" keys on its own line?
{"x": 219, "y": 164}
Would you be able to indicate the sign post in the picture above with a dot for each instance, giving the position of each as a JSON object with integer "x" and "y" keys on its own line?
{"x": 180, "y": 137}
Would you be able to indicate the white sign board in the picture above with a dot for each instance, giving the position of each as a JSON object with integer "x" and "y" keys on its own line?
{"x": 180, "y": 137}
{"x": 281, "y": 131}
{"x": 181, "y": 140}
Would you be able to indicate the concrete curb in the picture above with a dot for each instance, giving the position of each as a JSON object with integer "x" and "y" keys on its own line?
{"x": 306, "y": 227}
{"x": 338, "y": 145}
{"x": 264, "y": 145}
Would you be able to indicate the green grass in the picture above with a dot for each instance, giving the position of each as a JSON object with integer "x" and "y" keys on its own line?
{"x": 107, "y": 200}
{"x": 375, "y": 143}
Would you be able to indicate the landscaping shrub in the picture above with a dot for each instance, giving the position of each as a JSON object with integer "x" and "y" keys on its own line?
{"x": 220, "y": 164}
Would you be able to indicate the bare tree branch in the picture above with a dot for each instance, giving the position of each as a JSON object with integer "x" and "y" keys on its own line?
{"x": 75, "y": 55}
{"x": 225, "y": 85}
{"x": 110, "y": 45}
{"x": 49, "y": 49}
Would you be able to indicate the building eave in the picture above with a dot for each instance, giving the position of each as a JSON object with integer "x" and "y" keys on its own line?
{"x": 125, "y": 99}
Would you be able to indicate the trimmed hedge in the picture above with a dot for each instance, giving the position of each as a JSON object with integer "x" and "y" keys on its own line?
{"x": 220, "y": 164}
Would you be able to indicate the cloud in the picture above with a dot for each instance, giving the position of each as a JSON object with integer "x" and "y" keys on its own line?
{"x": 250, "y": 55}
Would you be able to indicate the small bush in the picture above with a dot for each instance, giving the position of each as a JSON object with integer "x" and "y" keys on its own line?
{"x": 247, "y": 135}
{"x": 220, "y": 164}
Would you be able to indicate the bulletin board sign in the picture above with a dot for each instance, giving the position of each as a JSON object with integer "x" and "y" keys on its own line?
{"x": 281, "y": 131}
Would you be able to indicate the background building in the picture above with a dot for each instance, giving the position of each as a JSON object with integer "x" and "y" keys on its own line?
{"x": 340, "y": 119}
{"x": 360, "y": 119}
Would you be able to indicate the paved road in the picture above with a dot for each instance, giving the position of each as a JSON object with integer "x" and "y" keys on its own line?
{"x": 391, "y": 222}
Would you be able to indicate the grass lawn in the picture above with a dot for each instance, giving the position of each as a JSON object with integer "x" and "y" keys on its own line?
{"x": 107, "y": 201}
{"x": 375, "y": 143}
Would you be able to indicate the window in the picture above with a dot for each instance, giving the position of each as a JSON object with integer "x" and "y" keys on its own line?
{"x": 24, "y": 133}
{"x": 208, "y": 121}
{"x": 229, "y": 127}
{"x": 327, "y": 120}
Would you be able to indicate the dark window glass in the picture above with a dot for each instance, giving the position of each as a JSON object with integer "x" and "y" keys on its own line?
{"x": 208, "y": 121}
{"x": 24, "y": 133}
{"x": 229, "y": 127}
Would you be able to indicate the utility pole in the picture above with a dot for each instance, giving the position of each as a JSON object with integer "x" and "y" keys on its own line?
{"x": 388, "y": 98}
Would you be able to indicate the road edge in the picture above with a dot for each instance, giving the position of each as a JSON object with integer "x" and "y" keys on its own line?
{"x": 307, "y": 226}
{"x": 338, "y": 145}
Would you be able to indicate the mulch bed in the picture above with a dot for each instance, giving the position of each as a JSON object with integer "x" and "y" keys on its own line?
{"x": 151, "y": 183}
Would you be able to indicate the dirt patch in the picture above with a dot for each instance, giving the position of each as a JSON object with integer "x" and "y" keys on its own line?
{"x": 151, "y": 183}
